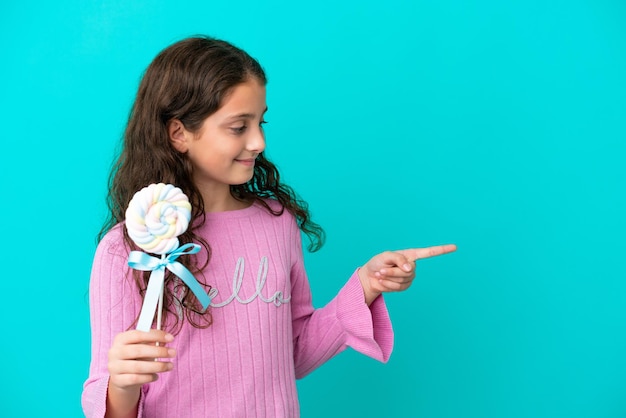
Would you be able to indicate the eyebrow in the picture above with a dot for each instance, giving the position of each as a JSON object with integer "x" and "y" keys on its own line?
{"x": 245, "y": 115}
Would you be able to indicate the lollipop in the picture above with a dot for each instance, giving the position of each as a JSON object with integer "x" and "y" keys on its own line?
{"x": 155, "y": 217}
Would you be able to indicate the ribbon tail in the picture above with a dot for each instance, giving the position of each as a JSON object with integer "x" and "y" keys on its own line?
{"x": 148, "y": 309}
{"x": 191, "y": 282}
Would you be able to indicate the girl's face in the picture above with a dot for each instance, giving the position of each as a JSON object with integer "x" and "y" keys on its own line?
{"x": 224, "y": 150}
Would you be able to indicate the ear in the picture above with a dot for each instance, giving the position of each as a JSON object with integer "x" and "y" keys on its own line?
{"x": 178, "y": 135}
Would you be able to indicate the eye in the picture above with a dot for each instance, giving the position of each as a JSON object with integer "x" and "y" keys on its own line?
{"x": 263, "y": 122}
{"x": 238, "y": 130}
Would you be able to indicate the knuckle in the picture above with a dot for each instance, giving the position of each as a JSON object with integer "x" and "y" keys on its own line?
{"x": 134, "y": 379}
{"x": 114, "y": 355}
{"x": 119, "y": 338}
{"x": 134, "y": 367}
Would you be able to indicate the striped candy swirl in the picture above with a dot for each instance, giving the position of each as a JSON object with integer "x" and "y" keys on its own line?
{"x": 156, "y": 216}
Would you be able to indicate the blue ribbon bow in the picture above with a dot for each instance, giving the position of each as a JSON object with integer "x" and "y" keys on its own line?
{"x": 141, "y": 261}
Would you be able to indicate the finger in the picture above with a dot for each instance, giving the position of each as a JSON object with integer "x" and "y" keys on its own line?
{"x": 127, "y": 380}
{"x": 393, "y": 286}
{"x": 396, "y": 272}
{"x": 139, "y": 367}
{"x": 141, "y": 337}
{"x": 420, "y": 253}
{"x": 142, "y": 351}
{"x": 395, "y": 279}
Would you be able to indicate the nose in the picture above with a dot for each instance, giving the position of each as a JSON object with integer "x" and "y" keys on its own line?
{"x": 256, "y": 141}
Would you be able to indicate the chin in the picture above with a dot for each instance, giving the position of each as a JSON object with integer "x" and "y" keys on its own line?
{"x": 240, "y": 182}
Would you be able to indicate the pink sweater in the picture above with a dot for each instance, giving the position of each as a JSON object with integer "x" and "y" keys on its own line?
{"x": 265, "y": 331}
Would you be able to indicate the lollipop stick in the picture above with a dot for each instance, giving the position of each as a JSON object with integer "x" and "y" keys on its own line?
{"x": 160, "y": 305}
{"x": 160, "y": 309}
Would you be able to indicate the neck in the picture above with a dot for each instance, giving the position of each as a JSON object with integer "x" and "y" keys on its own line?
{"x": 217, "y": 198}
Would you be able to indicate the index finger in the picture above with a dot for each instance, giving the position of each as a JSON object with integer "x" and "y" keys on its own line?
{"x": 142, "y": 337}
{"x": 420, "y": 253}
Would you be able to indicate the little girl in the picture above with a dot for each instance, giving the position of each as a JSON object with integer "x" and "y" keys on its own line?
{"x": 197, "y": 123}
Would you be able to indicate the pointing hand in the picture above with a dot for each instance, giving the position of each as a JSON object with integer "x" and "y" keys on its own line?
{"x": 394, "y": 271}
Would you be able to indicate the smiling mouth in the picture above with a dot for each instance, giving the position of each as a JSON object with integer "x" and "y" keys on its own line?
{"x": 247, "y": 162}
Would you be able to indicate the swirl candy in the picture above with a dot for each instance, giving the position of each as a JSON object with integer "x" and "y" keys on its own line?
{"x": 156, "y": 216}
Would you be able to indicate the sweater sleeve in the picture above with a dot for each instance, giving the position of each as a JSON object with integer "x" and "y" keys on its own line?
{"x": 346, "y": 321}
{"x": 114, "y": 304}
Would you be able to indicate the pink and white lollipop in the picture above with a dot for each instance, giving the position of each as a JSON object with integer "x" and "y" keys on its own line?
{"x": 155, "y": 217}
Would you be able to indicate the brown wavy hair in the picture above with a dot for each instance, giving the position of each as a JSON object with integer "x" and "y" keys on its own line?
{"x": 188, "y": 81}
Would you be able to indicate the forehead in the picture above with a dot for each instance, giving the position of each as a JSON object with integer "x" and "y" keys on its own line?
{"x": 248, "y": 97}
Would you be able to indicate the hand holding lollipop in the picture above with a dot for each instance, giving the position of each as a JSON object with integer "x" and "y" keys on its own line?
{"x": 155, "y": 217}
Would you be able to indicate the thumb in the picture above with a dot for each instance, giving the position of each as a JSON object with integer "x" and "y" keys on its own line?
{"x": 395, "y": 258}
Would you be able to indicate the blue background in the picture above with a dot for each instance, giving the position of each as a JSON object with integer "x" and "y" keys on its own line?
{"x": 498, "y": 126}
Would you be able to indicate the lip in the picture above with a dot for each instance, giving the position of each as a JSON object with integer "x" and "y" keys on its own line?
{"x": 248, "y": 162}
